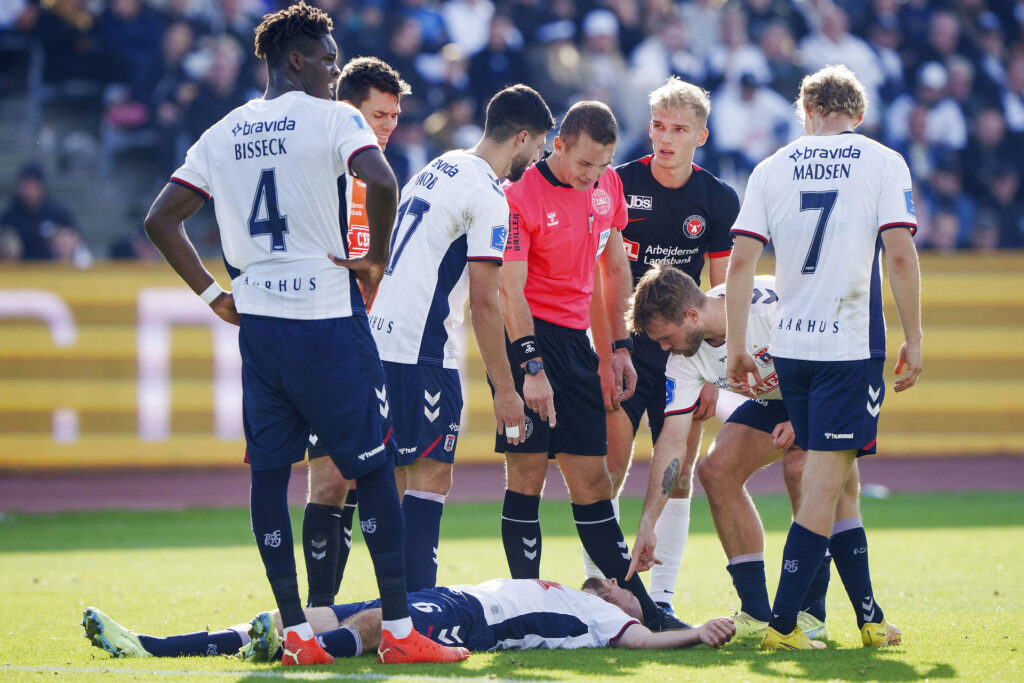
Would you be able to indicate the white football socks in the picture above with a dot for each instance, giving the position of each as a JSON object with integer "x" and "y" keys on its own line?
{"x": 672, "y": 528}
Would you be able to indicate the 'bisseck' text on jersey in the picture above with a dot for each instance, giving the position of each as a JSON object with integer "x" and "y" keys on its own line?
{"x": 452, "y": 212}
{"x": 823, "y": 202}
{"x": 276, "y": 207}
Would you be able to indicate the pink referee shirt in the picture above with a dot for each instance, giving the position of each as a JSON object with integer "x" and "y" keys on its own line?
{"x": 560, "y": 232}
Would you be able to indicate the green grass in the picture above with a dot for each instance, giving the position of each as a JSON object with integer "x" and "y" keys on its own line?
{"x": 948, "y": 569}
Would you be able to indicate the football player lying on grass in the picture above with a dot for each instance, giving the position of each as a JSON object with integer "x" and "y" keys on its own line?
{"x": 501, "y": 614}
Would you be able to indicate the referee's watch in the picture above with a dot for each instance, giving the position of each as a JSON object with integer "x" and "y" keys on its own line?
{"x": 626, "y": 343}
{"x": 532, "y": 367}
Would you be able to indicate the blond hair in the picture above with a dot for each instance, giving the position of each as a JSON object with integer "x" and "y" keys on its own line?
{"x": 677, "y": 93}
{"x": 832, "y": 90}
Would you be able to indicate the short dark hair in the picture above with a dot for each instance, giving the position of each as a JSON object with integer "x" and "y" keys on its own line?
{"x": 362, "y": 73}
{"x": 296, "y": 28}
{"x": 597, "y": 586}
{"x": 593, "y": 118}
{"x": 517, "y": 107}
{"x": 664, "y": 292}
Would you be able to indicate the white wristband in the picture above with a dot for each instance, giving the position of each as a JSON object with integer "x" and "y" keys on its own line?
{"x": 211, "y": 293}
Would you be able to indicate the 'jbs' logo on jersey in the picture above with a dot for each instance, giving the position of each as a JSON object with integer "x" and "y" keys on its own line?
{"x": 638, "y": 201}
{"x": 694, "y": 226}
{"x": 632, "y": 249}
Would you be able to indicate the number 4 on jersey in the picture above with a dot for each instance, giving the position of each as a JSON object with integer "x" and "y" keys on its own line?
{"x": 274, "y": 224}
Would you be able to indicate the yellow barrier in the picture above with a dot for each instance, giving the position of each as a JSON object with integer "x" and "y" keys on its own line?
{"x": 121, "y": 365}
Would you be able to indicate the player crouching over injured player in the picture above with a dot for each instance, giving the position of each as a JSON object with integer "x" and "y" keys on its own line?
{"x": 501, "y": 614}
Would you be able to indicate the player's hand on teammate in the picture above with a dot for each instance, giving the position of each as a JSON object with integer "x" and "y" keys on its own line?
{"x": 738, "y": 368}
{"x": 908, "y": 366}
{"x": 508, "y": 411}
{"x": 368, "y": 274}
{"x": 707, "y": 403}
{"x": 643, "y": 551}
{"x": 783, "y": 435}
{"x": 623, "y": 377}
{"x": 540, "y": 397}
{"x": 224, "y": 307}
{"x": 716, "y": 632}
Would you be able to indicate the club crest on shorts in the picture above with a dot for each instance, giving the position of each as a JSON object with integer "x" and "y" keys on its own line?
{"x": 529, "y": 428}
{"x": 449, "y": 443}
{"x": 694, "y": 226}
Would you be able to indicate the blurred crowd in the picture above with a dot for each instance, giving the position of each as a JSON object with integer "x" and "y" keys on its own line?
{"x": 945, "y": 79}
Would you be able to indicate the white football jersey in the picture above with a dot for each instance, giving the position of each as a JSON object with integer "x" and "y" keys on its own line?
{"x": 452, "y": 212}
{"x": 272, "y": 167}
{"x": 823, "y": 202}
{"x": 684, "y": 376}
{"x": 531, "y": 613}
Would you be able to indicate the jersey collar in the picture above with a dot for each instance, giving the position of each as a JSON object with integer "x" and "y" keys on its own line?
{"x": 545, "y": 171}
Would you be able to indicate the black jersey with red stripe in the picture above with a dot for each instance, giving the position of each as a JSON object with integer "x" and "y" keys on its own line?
{"x": 678, "y": 226}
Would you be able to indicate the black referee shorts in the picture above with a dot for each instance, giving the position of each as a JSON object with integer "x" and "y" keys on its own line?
{"x": 649, "y": 361}
{"x": 571, "y": 367}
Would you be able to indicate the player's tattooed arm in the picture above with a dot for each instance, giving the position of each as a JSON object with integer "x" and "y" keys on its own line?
{"x": 666, "y": 467}
{"x": 671, "y": 476}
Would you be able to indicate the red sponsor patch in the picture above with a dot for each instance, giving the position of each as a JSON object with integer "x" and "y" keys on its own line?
{"x": 632, "y": 249}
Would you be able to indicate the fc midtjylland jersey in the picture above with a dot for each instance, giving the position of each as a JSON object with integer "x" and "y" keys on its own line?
{"x": 677, "y": 226}
{"x": 452, "y": 212}
{"x": 823, "y": 201}
{"x": 272, "y": 166}
{"x": 532, "y": 613}
{"x": 684, "y": 377}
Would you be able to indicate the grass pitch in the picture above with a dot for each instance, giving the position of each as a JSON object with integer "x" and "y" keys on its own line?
{"x": 948, "y": 569}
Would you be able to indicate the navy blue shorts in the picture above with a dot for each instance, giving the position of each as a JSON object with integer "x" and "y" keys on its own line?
{"x": 322, "y": 376}
{"x": 649, "y": 361}
{"x": 833, "y": 405}
{"x": 761, "y": 415}
{"x": 441, "y": 614}
{"x": 426, "y": 411}
{"x": 571, "y": 367}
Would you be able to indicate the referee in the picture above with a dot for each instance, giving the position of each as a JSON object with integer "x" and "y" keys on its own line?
{"x": 565, "y": 217}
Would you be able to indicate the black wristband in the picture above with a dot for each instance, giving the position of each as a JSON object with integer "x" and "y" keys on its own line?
{"x": 525, "y": 348}
{"x": 626, "y": 343}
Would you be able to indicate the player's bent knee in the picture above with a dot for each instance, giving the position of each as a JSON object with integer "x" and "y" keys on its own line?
{"x": 326, "y": 485}
{"x": 430, "y": 476}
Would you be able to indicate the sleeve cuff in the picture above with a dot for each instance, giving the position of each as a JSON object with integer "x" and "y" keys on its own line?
{"x": 492, "y": 259}
{"x": 910, "y": 226}
{"x": 682, "y": 411}
{"x": 614, "y": 639}
{"x": 720, "y": 254}
{"x": 753, "y": 235}
{"x": 353, "y": 155}
{"x": 190, "y": 186}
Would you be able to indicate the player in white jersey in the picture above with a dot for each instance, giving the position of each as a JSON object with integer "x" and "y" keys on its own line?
{"x": 672, "y": 310}
{"x": 375, "y": 89}
{"x": 501, "y": 614}
{"x": 828, "y": 202}
{"x": 451, "y": 231}
{"x": 308, "y": 359}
